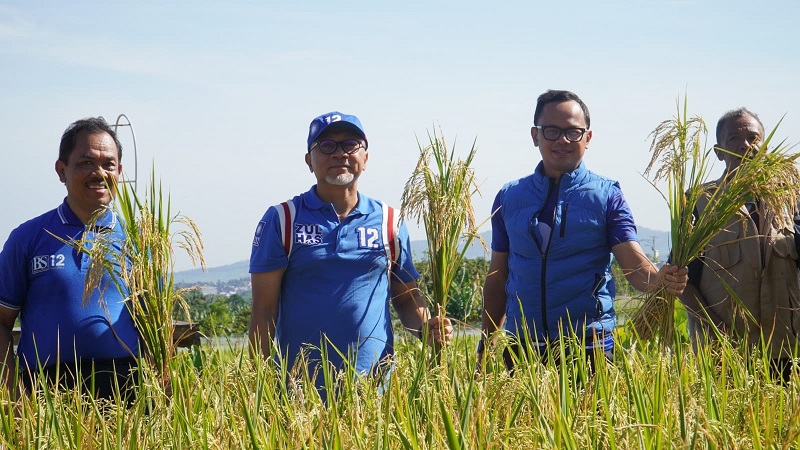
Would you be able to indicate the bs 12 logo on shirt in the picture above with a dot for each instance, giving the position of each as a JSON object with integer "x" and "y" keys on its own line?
{"x": 46, "y": 262}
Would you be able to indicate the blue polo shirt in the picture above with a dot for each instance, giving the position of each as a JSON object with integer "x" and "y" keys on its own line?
{"x": 336, "y": 285}
{"x": 43, "y": 279}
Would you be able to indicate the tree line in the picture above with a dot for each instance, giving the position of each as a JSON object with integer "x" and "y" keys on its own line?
{"x": 225, "y": 315}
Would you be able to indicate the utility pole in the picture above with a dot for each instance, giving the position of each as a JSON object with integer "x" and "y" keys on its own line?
{"x": 653, "y": 249}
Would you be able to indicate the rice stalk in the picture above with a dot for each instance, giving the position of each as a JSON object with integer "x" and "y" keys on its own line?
{"x": 719, "y": 397}
{"x": 768, "y": 173}
{"x": 439, "y": 195}
{"x": 141, "y": 266}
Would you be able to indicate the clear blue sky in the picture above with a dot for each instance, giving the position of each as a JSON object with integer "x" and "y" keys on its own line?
{"x": 220, "y": 93}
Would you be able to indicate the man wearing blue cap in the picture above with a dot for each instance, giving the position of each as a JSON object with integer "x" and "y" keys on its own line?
{"x": 325, "y": 264}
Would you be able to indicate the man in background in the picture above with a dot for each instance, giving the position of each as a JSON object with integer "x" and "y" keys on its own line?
{"x": 756, "y": 256}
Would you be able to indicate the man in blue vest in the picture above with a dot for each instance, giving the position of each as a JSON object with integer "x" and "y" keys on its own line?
{"x": 69, "y": 338}
{"x": 325, "y": 265}
{"x": 553, "y": 236}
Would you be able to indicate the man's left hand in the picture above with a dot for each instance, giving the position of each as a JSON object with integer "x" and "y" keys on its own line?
{"x": 440, "y": 330}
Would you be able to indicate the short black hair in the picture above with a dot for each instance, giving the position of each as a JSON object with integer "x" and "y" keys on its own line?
{"x": 552, "y": 96}
{"x": 735, "y": 114}
{"x": 91, "y": 125}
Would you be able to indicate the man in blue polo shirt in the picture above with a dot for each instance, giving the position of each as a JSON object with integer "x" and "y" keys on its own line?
{"x": 553, "y": 235}
{"x": 42, "y": 279}
{"x": 325, "y": 264}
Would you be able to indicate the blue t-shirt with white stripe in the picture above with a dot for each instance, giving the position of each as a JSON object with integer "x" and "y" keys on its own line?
{"x": 336, "y": 285}
{"x": 43, "y": 278}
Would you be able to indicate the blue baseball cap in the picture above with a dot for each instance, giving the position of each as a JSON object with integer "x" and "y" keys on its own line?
{"x": 321, "y": 123}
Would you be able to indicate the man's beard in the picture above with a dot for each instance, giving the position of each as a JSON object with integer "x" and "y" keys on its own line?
{"x": 342, "y": 179}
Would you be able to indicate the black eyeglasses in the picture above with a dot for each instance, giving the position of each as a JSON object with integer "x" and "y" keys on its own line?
{"x": 329, "y": 147}
{"x": 553, "y": 133}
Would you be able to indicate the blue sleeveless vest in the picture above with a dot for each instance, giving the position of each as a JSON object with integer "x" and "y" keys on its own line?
{"x": 569, "y": 285}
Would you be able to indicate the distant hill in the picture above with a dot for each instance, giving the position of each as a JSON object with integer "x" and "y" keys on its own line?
{"x": 650, "y": 239}
{"x": 419, "y": 248}
{"x": 229, "y": 272}
{"x": 654, "y": 239}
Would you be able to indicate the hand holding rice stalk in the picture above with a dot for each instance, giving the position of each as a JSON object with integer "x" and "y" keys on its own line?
{"x": 439, "y": 194}
{"x": 146, "y": 255}
{"x": 769, "y": 175}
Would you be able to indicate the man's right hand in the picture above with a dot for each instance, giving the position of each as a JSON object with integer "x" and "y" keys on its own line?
{"x": 440, "y": 330}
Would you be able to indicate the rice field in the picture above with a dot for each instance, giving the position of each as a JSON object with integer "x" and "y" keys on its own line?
{"x": 654, "y": 394}
{"x": 222, "y": 399}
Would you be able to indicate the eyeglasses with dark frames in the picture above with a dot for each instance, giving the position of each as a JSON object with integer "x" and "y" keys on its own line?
{"x": 554, "y": 133}
{"x": 329, "y": 146}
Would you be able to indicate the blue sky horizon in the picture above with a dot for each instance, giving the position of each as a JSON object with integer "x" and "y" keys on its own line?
{"x": 221, "y": 93}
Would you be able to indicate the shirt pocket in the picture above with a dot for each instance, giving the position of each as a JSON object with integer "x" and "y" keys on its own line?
{"x": 785, "y": 246}
{"x": 724, "y": 250}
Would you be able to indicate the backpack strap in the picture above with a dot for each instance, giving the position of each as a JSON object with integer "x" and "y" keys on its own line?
{"x": 286, "y": 213}
{"x": 389, "y": 229}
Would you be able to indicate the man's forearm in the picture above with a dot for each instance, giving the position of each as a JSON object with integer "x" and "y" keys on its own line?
{"x": 260, "y": 335}
{"x": 8, "y": 364}
{"x": 494, "y": 306}
{"x": 410, "y": 306}
{"x": 264, "y": 315}
{"x": 494, "y": 294}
